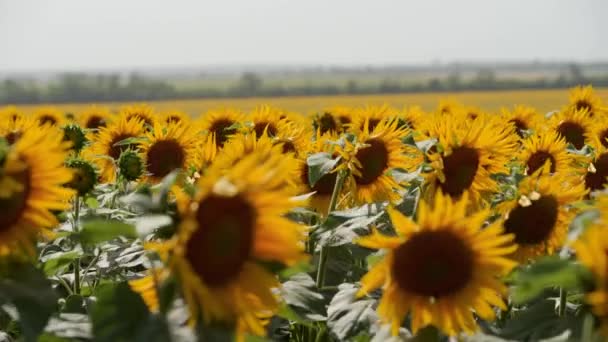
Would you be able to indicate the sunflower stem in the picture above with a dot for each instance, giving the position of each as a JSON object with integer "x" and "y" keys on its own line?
{"x": 324, "y": 253}
{"x": 563, "y": 302}
{"x": 76, "y": 229}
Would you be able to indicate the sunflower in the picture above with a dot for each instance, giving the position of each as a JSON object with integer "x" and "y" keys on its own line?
{"x": 441, "y": 269}
{"x": 13, "y": 130}
{"x": 378, "y": 152}
{"x": 596, "y": 175}
{"x": 169, "y": 147}
{"x": 50, "y": 116}
{"x": 333, "y": 120}
{"x": 175, "y": 116}
{"x": 548, "y": 146}
{"x": 573, "y": 125}
{"x": 372, "y": 116}
{"x": 411, "y": 117}
{"x": 222, "y": 124}
{"x": 585, "y": 99}
{"x": 10, "y": 113}
{"x": 95, "y": 117}
{"x": 142, "y": 112}
{"x": 523, "y": 118}
{"x": 539, "y": 214}
{"x": 34, "y": 165}
{"x": 267, "y": 120}
{"x": 467, "y": 156}
{"x": 232, "y": 230}
{"x": 105, "y": 144}
{"x": 293, "y": 138}
{"x": 449, "y": 106}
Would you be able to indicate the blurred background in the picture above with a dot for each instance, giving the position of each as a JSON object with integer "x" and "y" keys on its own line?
{"x": 74, "y": 51}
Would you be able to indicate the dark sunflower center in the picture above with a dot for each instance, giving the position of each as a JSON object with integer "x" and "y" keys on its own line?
{"x": 538, "y": 159}
{"x": 583, "y": 105}
{"x": 327, "y": 123}
{"x": 533, "y": 224}
{"x": 459, "y": 169}
{"x": 374, "y": 161}
{"x": 259, "y": 128}
{"x": 223, "y": 242}
{"x": 596, "y": 180}
{"x": 174, "y": 119}
{"x": 371, "y": 125}
{"x": 287, "y": 146}
{"x": 147, "y": 121}
{"x": 573, "y": 133}
{"x": 165, "y": 156}
{"x": 95, "y": 122}
{"x": 12, "y": 208}
{"x": 47, "y": 119}
{"x": 519, "y": 125}
{"x": 13, "y": 137}
{"x": 222, "y": 131}
{"x": 604, "y": 138}
{"x": 116, "y": 150}
{"x": 344, "y": 120}
{"x": 324, "y": 186}
{"x": 433, "y": 264}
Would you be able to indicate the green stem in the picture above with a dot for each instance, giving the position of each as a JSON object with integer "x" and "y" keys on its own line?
{"x": 76, "y": 229}
{"x": 77, "y": 276}
{"x": 324, "y": 254}
{"x": 563, "y": 302}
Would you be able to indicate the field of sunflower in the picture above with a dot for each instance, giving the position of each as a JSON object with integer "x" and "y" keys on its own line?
{"x": 355, "y": 223}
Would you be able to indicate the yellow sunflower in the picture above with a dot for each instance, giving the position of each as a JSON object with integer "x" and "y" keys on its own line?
{"x": 176, "y": 116}
{"x": 412, "y": 117}
{"x": 449, "y": 106}
{"x": 104, "y": 150}
{"x": 573, "y": 125}
{"x": 142, "y": 112}
{"x": 378, "y": 152}
{"x": 583, "y": 98}
{"x": 467, "y": 156}
{"x": 231, "y": 230}
{"x": 442, "y": 269}
{"x": 169, "y": 147}
{"x": 10, "y": 113}
{"x": 13, "y": 130}
{"x": 293, "y": 138}
{"x": 222, "y": 124}
{"x": 267, "y": 120}
{"x": 371, "y": 116}
{"x": 95, "y": 117}
{"x": 548, "y": 146}
{"x": 333, "y": 120}
{"x": 596, "y": 175}
{"x": 523, "y": 118}
{"x": 34, "y": 169}
{"x": 50, "y": 116}
{"x": 598, "y": 136}
{"x": 539, "y": 215}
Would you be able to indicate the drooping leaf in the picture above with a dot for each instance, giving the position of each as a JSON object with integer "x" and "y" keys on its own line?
{"x": 346, "y": 316}
{"x": 319, "y": 164}
{"x": 59, "y": 261}
{"x": 301, "y": 295}
{"x": 99, "y": 230}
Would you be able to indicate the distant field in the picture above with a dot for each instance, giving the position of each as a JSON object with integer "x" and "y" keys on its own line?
{"x": 543, "y": 100}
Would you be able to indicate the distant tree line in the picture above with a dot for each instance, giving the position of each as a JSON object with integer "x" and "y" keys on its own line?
{"x": 78, "y": 87}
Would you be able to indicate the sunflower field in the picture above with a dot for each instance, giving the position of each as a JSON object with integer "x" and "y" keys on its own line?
{"x": 354, "y": 224}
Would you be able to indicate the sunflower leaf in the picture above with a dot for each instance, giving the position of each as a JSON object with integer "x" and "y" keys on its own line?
{"x": 99, "y": 230}
{"x": 319, "y": 164}
{"x": 347, "y": 316}
{"x": 300, "y": 293}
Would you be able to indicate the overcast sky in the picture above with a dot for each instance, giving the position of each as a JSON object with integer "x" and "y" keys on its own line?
{"x": 82, "y": 34}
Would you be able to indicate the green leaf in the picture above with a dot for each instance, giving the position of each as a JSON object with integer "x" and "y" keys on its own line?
{"x": 319, "y": 164}
{"x": 56, "y": 262}
{"x": 530, "y": 281}
{"x": 300, "y": 293}
{"x": 347, "y": 316}
{"x": 99, "y": 230}
{"x": 28, "y": 289}
{"x": 121, "y": 315}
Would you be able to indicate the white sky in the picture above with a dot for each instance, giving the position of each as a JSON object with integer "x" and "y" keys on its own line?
{"x": 84, "y": 34}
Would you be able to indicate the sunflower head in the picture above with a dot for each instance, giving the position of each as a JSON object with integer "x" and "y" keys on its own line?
{"x": 233, "y": 226}
{"x": 75, "y": 135}
{"x": 370, "y": 117}
{"x": 573, "y": 125}
{"x": 524, "y": 119}
{"x": 50, "y": 116}
{"x": 440, "y": 269}
{"x": 222, "y": 124}
{"x": 13, "y": 130}
{"x": 141, "y": 112}
{"x": 131, "y": 165}
{"x": 175, "y": 117}
{"x": 95, "y": 117}
{"x": 267, "y": 120}
{"x": 84, "y": 176}
{"x": 10, "y": 113}
{"x": 548, "y": 147}
{"x": 583, "y": 98}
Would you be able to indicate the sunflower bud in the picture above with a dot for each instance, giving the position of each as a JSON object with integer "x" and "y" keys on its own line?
{"x": 131, "y": 165}
{"x": 76, "y": 135}
{"x": 84, "y": 176}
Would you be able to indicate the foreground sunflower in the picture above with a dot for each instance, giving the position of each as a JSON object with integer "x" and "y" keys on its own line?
{"x": 573, "y": 125}
{"x": 49, "y": 116}
{"x": 583, "y": 98}
{"x": 232, "y": 229}
{"x": 539, "y": 215}
{"x": 169, "y": 147}
{"x": 34, "y": 169}
{"x": 442, "y": 269}
{"x": 95, "y": 117}
{"x": 105, "y": 144}
{"x": 378, "y": 152}
{"x": 221, "y": 124}
{"x": 467, "y": 156}
{"x": 524, "y": 119}
{"x": 548, "y": 147}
